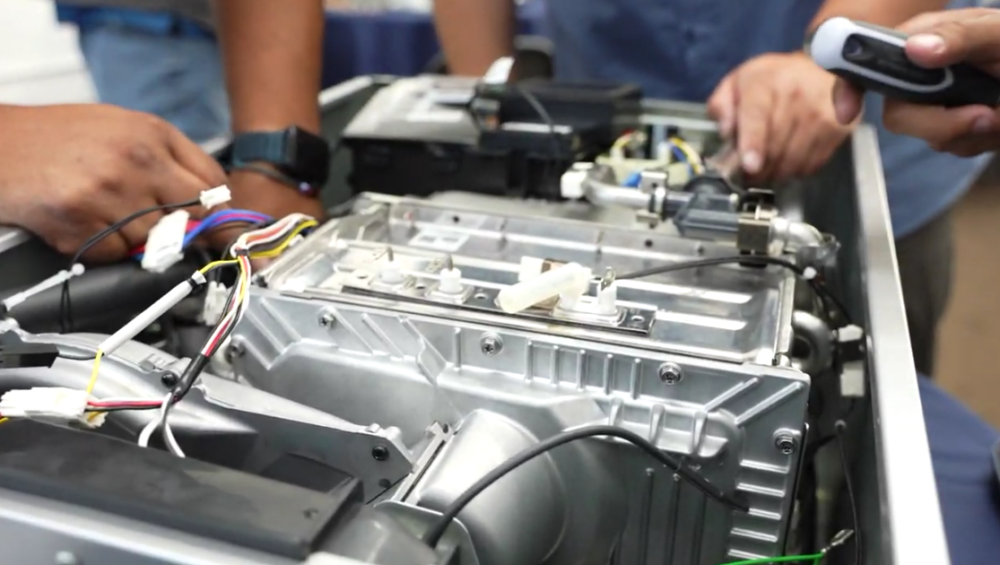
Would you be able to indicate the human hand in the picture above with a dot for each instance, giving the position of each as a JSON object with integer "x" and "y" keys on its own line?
{"x": 777, "y": 106}
{"x": 70, "y": 171}
{"x": 939, "y": 39}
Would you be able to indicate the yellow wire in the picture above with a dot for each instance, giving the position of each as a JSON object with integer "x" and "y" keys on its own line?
{"x": 216, "y": 264}
{"x": 95, "y": 371}
{"x": 693, "y": 158}
{"x": 285, "y": 242}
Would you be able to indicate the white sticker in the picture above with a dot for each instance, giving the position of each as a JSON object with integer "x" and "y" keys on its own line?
{"x": 439, "y": 240}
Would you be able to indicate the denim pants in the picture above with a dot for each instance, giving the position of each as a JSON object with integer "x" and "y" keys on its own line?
{"x": 175, "y": 77}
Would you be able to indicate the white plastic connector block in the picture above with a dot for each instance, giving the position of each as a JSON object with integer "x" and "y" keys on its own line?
{"x": 51, "y": 404}
{"x": 531, "y": 267}
{"x": 216, "y": 296}
{"x": 165, "y": 244}
{"x": 571, "y": 184}
{"x": 451, "y": 281}
{"x": 214, "y": 196}
{"x": 566, "y": 281}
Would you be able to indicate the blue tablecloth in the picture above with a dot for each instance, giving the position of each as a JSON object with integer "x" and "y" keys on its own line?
{"x": 961, "y": 447}
{"x": 395, "y": 43}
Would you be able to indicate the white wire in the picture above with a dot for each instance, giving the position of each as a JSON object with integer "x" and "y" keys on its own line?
{"x": 161, "y": 420}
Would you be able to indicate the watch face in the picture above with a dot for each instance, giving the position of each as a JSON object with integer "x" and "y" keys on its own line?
{"x": 311, "y": 155}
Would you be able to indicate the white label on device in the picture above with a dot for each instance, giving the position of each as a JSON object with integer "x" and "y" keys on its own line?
{"x": 439, "y": 240}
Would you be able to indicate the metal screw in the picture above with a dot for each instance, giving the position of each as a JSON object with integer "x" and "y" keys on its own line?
{"x": 66, "y": 558}
{"x": 169, "y": 379}
{"x": 235, "y": 351}
{"x": 327, "y": 320}
{"x": 490, "y": 344}
{"x": 670, "y": 373}
{"x": 785, "y": 443}
{"x": 380, "y": 453}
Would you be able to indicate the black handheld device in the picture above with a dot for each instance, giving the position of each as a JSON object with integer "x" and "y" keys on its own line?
{"x": 874, "y": 58}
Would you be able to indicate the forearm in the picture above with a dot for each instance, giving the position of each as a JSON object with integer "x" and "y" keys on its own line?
{"x": 474, "y": 33}
{"x": 273, "y": 57}
{"x": 889, "y": 13}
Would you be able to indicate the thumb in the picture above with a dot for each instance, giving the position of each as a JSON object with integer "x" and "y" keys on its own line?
{"x": 973, "y": 39}
{"x": 722, "y": 106}
{"x": 847, "y": 102}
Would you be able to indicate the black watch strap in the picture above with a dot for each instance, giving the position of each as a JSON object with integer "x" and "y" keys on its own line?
{"x": 295, "y": 153}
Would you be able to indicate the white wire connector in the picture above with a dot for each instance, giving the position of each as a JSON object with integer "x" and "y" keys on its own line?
{"x": 53, "y": 281}
{"x": 165, "y": 244}
{"x": 214, "y": 196}
{"x": 216, "y": 296}
{"x": 50, "y": 404}
{"x": 151, "y": 314}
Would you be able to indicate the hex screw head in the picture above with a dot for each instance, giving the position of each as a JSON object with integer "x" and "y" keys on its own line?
{"x": 235, "y": 351}
{"x": 327, "y": 320}
{"x": 490, "y": 344}
{"x": 785, "y": 444}
{"x": 670, "y": 373}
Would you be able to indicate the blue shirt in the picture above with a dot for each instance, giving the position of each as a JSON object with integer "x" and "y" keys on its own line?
{"x": 681, "y": 49}
{"x": 145, "y": 21}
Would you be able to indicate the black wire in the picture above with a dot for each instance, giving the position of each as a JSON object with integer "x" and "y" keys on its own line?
{"x": 437, "y": 529}
{"x": 65, "y": 304}
{"x": 539, "y": 109}
{"x": 122, "y": 408}
{"x": 819, "y": 288}
{"x": 841, "y": 428}
{"x": 77, "y": 356}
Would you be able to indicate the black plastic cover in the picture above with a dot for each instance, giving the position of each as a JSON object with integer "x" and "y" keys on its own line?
{"x": 152, "y": 486}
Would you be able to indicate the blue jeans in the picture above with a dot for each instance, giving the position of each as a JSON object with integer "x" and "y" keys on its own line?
{"x": 177, "y": 78}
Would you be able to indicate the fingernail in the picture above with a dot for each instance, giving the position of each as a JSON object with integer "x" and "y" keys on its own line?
{"x": 983, "y": 124}
{"x": 933, "y": 43}
{"x": 751, "y": 162}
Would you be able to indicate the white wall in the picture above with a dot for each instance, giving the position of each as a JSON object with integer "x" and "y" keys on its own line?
{"x": 39, "y": 59}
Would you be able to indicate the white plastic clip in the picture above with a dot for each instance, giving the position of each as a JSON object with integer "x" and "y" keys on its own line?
{"x": 165, "y": 244}
{"x": 214, "y": 196}
{"x": 53, "y": 281}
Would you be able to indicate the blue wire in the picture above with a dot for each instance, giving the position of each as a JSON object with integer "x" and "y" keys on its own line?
{"x": 213, "y": 221}
{"x": 633, "y": 180}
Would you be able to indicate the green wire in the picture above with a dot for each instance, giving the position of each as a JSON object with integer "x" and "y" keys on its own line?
{"x": 815, "y": 558}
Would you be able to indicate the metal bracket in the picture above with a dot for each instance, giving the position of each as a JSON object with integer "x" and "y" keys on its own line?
{"x": 484, "y": 299}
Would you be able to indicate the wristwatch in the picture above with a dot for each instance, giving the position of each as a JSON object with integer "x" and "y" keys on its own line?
{"x": 301, "y": 159}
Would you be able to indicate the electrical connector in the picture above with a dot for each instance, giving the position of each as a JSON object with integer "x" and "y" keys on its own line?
{"x": 50, "y": 404}
{"x": 216, "y": 296}
{"x": 165, "y": 244}
{"x": 214, "y": 196}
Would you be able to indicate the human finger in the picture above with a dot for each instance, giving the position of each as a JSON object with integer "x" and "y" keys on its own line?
{"x": 193, "y": 158}
{"x": 971, "y": 39}
{"x": 722, "y": 106}
{"x": 753, "y": 119}
{"x": 936, "y": 124}
{"x": 848, "y": 101}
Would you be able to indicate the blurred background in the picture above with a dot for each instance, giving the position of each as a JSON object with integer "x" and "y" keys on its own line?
{"x": 42, "y": 65}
